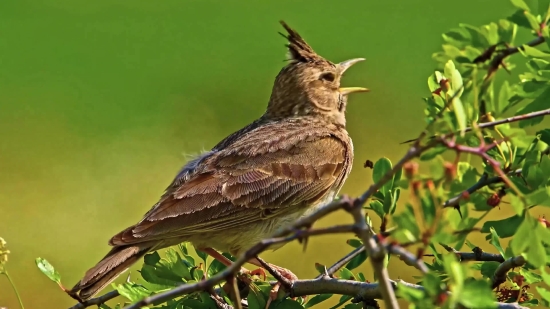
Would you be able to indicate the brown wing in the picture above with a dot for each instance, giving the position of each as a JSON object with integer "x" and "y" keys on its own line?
{"x": 257, "y": 176}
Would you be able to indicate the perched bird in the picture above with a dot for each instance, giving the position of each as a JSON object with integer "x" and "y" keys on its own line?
{"x": 290, "y": 161}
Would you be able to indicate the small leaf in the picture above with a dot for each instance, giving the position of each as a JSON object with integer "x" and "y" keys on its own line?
{"x": 540, "y": 197}
{"x": 202, "y": 255}
{"x": 47, "y": 269}
{"x": 544, "y": 136}
{"x": 477, "y": 294}
{"x": 432, "y": 153}
{"x": 346, "y": 274}
{"x": 408, "y": 293}
{"x": 378, "y": 208}
{"x": 133, "y": 292}
{"x": 517, "y": 204}
{"x": 488, "y": 269}
{"x": 544, "y": 293}
{"x": 520, "y": 4}
{"x": 496, "y": 242}
{"x": 504, "y": 228}
{"x": 381, "y": 167}
{"x": 534, "y": 52}
{"x": 356, "y": 243}
{"x": 357, "y": 260}
{"x": 530, "y": 277}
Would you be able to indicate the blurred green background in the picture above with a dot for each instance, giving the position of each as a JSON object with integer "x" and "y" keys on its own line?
{"x": 101, "y": 102}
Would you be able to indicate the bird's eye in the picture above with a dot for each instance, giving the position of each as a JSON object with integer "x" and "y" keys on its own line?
{"x": 327, "y": 76}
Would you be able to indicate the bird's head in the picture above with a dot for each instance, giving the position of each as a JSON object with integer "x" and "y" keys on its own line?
{"x": 310, "y": 84}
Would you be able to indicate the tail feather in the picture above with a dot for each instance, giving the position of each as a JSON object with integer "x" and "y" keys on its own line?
{"x": 117, "y": 261}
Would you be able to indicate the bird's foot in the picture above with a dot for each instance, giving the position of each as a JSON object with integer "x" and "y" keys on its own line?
{"x": 284, "y": 278}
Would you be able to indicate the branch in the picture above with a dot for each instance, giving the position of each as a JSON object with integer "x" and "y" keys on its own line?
{"x": 500, "y": 274}
{"x": 499, "y": 59}
{"x": 495, "y": 123}
{"x": 360, "y": 290}
{"x": 377, "y": 256}
{"x": 96, "y": 301}
{"x": 481, "y": 183}
{"x": 477, "y": 255}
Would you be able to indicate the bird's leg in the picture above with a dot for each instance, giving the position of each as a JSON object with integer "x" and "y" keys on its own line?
{"x": 227, "y": 262}
{"x": 284, "y": 277}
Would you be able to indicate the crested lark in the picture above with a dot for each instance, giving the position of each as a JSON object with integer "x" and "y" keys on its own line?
{"x": 290, "y": 161}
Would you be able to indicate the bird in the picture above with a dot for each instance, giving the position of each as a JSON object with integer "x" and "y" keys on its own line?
{"x": 287, "y": 163}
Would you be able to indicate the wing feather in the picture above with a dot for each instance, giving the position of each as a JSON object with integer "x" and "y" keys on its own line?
{"x": 234, "y": 187}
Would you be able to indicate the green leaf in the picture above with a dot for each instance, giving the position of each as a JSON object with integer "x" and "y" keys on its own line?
{"x": 528, "y": 241}
{"x": 356, "y": 243}
{"x": 496, "y": 242}
{"x": 381, "y": 167}
{"x": 488, "y": 269}
{"x": 520, "y": 4}
{"x": 519, "y": 243}
{"x": 504, "y": 228}
{"x": 534, "y": 176}
{"x": 133, "y": 292}
{"x": 477, "y": 294}
{"x": 455, "y": 270}
{"x": 534, "y": 52}
{"x": 47, "y": 269}
{"x": 540, "y": 197}
{"x": 460, "y": 114}
{"x": 397, "y": 178}
{"x": 544, "y": 136}
{"x": 378, "y": 208}
{"x": 517, "y": 204}
{"x": 394, "y": 197}
{"x": 257, "y": 297}
{"x": 408, "y": 293}
{"x": 432, "y": 153}
{"x": 388, "y": 202}
{"x": 151, "y": 258}
{"x": 155, "y": 276}
{"x": 357, "y": 260}
{"x": 530, "y": 277}
{"x": 544, "y": 293}
{"x": 428, "y": 207}
{"x": 320, "y": 268}
{"x": 520, "y": 19}
{"x": 346, "y": 274}
{"x": 437, "y": 169}
{"x": 432, "y": 284}
{"x": 317, "y": 299}
{"x": 202, "y": 255}
{"x": 408, "y": 226}
{"x": 545, "y": 276}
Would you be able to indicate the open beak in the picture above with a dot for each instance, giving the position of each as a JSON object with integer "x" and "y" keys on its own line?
{"x": 348, "y": 90}
{"x": 344, "y": 65}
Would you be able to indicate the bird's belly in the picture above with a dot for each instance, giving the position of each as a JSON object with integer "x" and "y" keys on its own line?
{"x": 238, "y": 240}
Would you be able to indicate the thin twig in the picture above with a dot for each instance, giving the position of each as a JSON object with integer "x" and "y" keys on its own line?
{"x": 491, "y": 124}
{"x": 481, "y": 183}
{"x": 407, "y": 257}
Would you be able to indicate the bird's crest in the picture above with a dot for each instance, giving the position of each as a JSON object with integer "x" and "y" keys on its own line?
{"x": 299, "y": 50}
